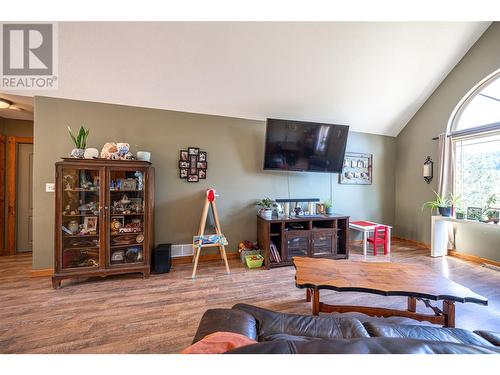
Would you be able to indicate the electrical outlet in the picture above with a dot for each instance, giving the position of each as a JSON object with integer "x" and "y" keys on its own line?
{"x": 50, "y": 187}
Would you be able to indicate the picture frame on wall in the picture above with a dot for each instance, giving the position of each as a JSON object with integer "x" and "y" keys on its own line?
{"x": 184, "y": 155}
{"x": 357, "y": 169}
{"x": 184, "y": 164}
{"x": 193, "y": 164}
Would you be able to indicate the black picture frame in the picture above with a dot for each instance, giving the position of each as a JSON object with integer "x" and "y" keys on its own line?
{"x": 193, "y": 151}
{"x": 202, "y": 174}
{"x": 184, "y": 164}
{"x": 183, "y": 173}
{"x": 193, "y": 178}
{"x": 201, "y": 164}
{"x": 184, "y": 155}
{"x": 202, "y": 156}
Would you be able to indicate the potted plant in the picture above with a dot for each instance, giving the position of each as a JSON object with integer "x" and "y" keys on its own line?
{"x": 490, "y": 213}
{"x": 444, "y": 204}
{"x": 266, "y": 207}
{"x": 459, "y": 213}
{"x": 80, "y": 142}
{"x": 328, "y": 207}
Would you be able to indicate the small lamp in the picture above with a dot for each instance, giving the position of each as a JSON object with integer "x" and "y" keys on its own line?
{"x": 428, "y": 169}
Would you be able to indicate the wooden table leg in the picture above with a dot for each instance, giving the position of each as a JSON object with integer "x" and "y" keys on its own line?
{"x": 315, "y": 304}
{"x": 308, "y": 295}
{"x": 412, "y": 304}
{"x": 449, "y": 313}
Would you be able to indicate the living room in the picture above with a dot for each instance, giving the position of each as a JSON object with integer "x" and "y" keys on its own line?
{"x": 250, "y": 187}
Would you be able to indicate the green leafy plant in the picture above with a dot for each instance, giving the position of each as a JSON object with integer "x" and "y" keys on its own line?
{"x": 80, "y": 140}
{"x": 328, "y": 203}
{"x": 488, "y": 211}
{"x": 445, "y": 200}
{"x": 266, "y": 203}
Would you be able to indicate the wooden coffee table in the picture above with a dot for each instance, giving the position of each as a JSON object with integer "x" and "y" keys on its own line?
{"x": 388, "y": 279}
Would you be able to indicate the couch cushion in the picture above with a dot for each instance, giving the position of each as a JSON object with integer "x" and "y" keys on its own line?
{"x": 493, "y": 337}
{"x": 363, "y": 318}
{"x": 218, "y": 342}
{"x": 373, "y": 345}
{"x": 455, "y": 335}
{"x": 226, "y": 320}
{"x": 271, "y": 323}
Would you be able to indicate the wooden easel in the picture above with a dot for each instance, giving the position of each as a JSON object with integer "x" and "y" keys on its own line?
{"x": 198, "y": 245}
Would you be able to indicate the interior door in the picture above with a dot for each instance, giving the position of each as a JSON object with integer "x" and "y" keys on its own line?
{"x": 24, "y": 225}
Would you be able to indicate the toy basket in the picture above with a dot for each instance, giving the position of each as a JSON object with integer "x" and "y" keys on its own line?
{"x": 254, "y": 261}
{"x": 244, "y": 253}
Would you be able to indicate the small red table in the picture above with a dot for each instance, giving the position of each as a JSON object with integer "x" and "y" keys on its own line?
{"x": 368, "y": 226}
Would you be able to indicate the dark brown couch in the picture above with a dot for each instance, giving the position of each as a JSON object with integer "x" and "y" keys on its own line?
{"x": 341, "y": 333}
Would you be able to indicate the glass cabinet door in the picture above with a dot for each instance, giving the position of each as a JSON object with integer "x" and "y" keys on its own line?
{"x": 80, "y": 217}
{"x": 127, "y": 218}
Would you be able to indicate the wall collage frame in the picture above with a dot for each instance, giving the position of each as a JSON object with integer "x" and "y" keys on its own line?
{"x": 193, "y": 164}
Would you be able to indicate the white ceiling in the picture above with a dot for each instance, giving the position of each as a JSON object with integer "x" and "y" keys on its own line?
{"x": 23, "y": 107}
{"x": 372, "y": 76}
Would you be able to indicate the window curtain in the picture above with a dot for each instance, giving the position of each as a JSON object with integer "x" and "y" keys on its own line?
{"x": 446, "y": 165}
{"x": 446, "y": 175}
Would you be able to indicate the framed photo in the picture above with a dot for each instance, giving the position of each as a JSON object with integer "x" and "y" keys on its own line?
{"x": 184, "y": 155}
{"x": 193, "y": 170}
{"x": 90, "y": 223}
{"x": 201, "y": 165}
{"x": 184, "y": 164}
{"x": 357, "y": 169}
{"x": 128, "y": 184}
{"x": 474, "y": 213}
{"x": 202, "y": 156}
{"x": 193, "y": 151}
{"x": 183, "y": 173}
{"x": 193, "y": 178}
{"x": 202, "y": 174}
{"x": 193, "y": 159}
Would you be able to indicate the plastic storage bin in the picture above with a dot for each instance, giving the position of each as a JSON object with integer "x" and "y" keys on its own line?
{"x": 254, "y": 261}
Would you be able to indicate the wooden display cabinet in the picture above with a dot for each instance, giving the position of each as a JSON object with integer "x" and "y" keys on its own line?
{"x": 321, "y": 236}
{"x": 103, "y": 218}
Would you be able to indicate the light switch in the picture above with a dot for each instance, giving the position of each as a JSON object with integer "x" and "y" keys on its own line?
{"x": 50, "y": 187}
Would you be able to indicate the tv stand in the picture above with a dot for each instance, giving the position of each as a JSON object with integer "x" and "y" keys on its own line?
{"x": 319, "y": 236}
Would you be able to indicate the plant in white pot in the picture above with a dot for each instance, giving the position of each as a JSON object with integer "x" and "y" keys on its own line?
{"x": 80, "y": 142}
{"x": 266, "y": 207}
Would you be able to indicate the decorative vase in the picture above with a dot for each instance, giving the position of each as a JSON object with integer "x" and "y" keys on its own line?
{"x": 91, "y": 153}
{"x": 143, "y": 155}
{"x": 78, "y": 153}
{"x": 266, "y": 213}
{"x": 329, "y": 210}
{"x": 445, "y": 211}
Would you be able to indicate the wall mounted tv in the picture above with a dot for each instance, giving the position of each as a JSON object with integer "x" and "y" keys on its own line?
{"x": 305, "y": 146}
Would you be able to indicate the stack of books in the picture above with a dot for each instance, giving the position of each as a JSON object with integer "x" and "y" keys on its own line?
{"x": 275, "y": 254}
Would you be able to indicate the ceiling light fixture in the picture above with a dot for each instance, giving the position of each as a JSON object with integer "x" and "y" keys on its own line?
{"x": 4, "y": 103}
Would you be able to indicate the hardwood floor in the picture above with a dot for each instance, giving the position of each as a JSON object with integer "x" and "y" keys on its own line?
{"x": 128, "y": 314}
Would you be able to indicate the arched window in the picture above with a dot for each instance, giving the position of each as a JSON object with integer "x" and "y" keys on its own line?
{"x": 475, "y": 130}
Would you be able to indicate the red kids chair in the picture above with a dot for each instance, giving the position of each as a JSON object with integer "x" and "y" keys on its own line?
{"x": 379, "y": 237}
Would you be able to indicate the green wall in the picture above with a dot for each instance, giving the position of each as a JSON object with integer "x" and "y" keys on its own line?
{"x": 414, "y": 144}
{"x": 235, "y": 158}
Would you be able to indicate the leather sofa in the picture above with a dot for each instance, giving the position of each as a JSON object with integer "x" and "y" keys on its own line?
{"x": 341, "y": 333}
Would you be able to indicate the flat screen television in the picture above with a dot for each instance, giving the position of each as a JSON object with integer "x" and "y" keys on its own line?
{"x": 305, "y": 146}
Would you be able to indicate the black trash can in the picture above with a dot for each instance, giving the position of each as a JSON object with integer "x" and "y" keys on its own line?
{"x": 161, "y": 259}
